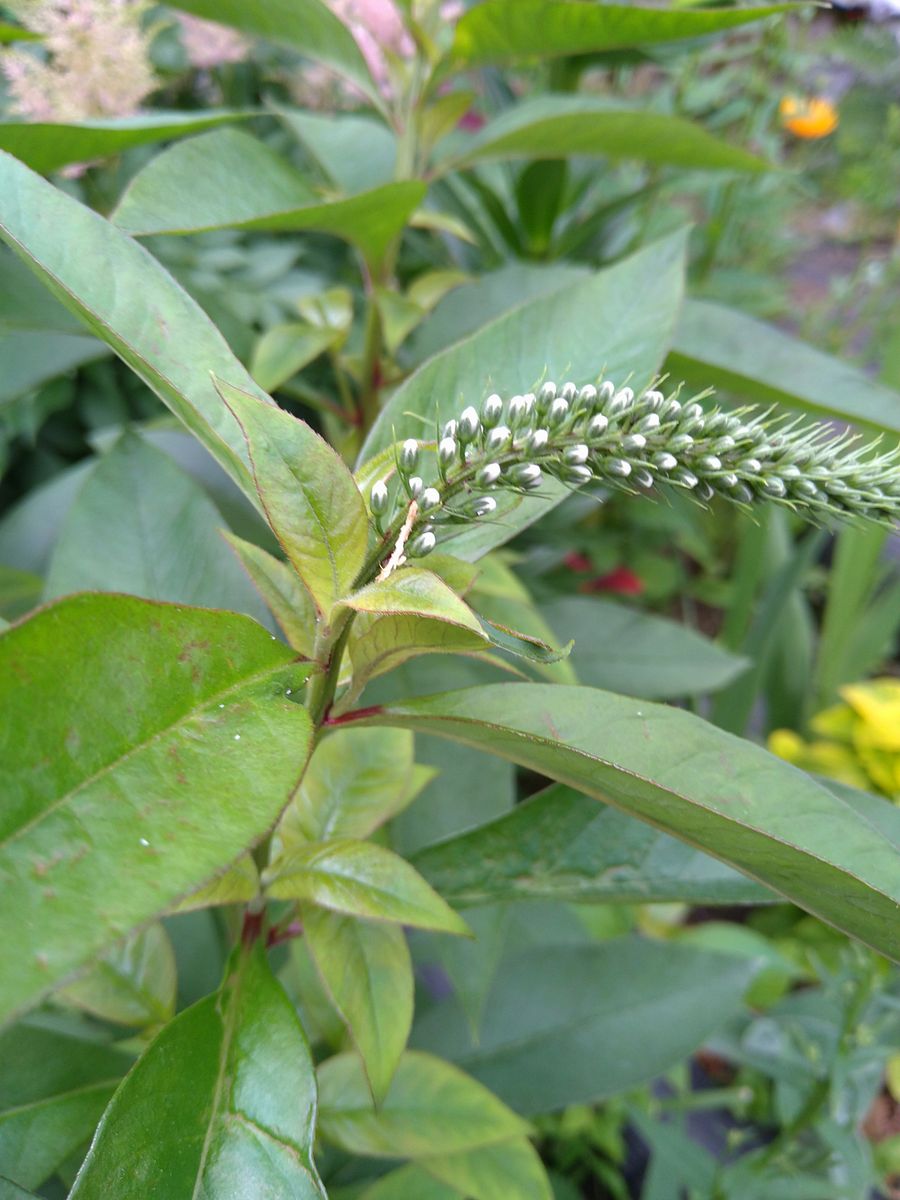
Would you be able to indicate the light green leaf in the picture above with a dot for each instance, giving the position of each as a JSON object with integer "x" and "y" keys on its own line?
{"x": 140, "y": 525}
{"x": 308, "y": 26}
{"x": 411, "y": 1180}
{"x": 238, "y": 885}
{"x": 162, "y": 758}
{"x": 559, "y": 846}
{"x": 740, "y": 354}
{"x": 361, "y": 879}
{"x": 240, "y": 1103}
{"x": 12, "y": 1191}
{"x": 37, "y": 1138}
{"x": 356, "y": 780}
{"x": 366, "y": 967}
{"x": 414, "y": 592}
{"x": 378, "y": 644}
{"x": 561, "y": 126}
{"x": 637, "y": 654}
{"x": 688, "y": 778}
{"x": 431, "y": 1108}
{"x": 19, "y": 591}
{"x": 308, "y": 494}
{"x": 503, "y": 31}
{"x": 559, "y": 1026}
{"x": 239, "y": 183}
{"x": 290, "y": 602}
{"x": 15, "y": 33}
{"x": 46, "y": 146}
{"x": 354, "y": 150}
{"x": 124, "y": 296}
{"x": 133, "y": 984}
{"x": 511, "y": 1169}
{"x": 618, "y": 320}
{"x": 31, "y": 358}
{"x": 284, "y": 350}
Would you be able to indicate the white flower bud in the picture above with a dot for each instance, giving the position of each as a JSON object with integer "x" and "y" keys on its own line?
{"x": 409, "y": 454}
{"x": 578, "y": 476}
{"x": 587, "y": 397}
{"x": 693, "y": 412}
{"x": 447, "y": 448}
{"x": 568, "y": 392}
{"x": 484, "y": 506}
{"x": 618, "y": 466}
{"x": 449, "y": 430}
{"x": 723, "y": 444}
{"x": 422, "y": 545}
{"x": 606, "y": 391}
{"x": 624, "y": 396}
{"x": 492, "y": 411}
{"x": 469, "y": 425}
{"x": 704, "y": 491}
{"x": 378, "y": 498}
{"x": 729, "y": 480}
{"x": 546, "y": 395}
{"x": 672, "y": 407}
{"x": 665, "y": 461}
{"x": 559, "y": 410}
{"x": 686, "y": 478}
{"x": 597, "y": 426}
{"x": 709, "y": 462}
{"x": 653, "y": 399}
{"x": 751, "y": 466}
{"x": 429, "y": 500}
{"x": 497, "y": 438}
{"x": 775, "y": 487}
{"x": 516, "y": 411}
{"x": 488, "y": 475}
{"x": 642, "y": 477}
{"x": 651, "y": 421}
{"x": 681, "y": 441}
{"x": 742, "y": 494}
{"x": 576, "y": 456}
{"x": 537, "y": 441}
{"x": 414, "y": 486}
{"x": 525, "y": 475}
{"x": 633, "y": 442}
{"x": 806, "y": 487}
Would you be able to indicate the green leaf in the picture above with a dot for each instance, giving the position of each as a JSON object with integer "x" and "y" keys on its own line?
{"x": 378, "y": 644}
{"x": 140, "y": 525}
{"x": 240, "y": 1103}
{"x": 161, "y": 759}
{"x": 560, "y": 126}
{"x": 12, "y": 1191}
{"x": 355, "y": 151}
{"x": 411, "y": 1180}
{"x": 740, "y": 354}
{"x": 305, "y": 25}
{"x": 290, "y": 602}
{"x": 414, "y": 592}
{"x": 238, "y": 885}
{"x": 637, "y": 654}
{"x": 356, "y": 780}
{"x": 504, "y": 31}
{"x": 19, "y": 591}
{"x": 124, "y": 296}
{"x": 134, "y": 984}
{"x": 239, "y": 183}
{"x": 431, "y": 1108}
{"x": 521, "y": 645}
{"x": 31, "y": 358}
{"x": 367, "y": 970}
{"x": 559, "y": 846}
{"x": 308, "y": 494}
{"x": 635, "y": 304}
{"x": 46, "y": 146}
{"x": 15, "y": 33}
{"x": 284, "y": 350}
{"x": 362, "y": 880}
{"x": 559, "y": 1026}
{"x": 511, "y": 1169}
{"x": 39, "y": 1137}
{"x": 688, "y": 778}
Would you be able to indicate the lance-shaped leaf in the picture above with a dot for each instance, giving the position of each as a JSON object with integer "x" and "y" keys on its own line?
{"x": 240, "y": 1103}
{"x": 308, "y": 26}
{"x": 133, "y": 984}
{"x": 361, "y": 879}
{"x": 414, "y": 592}
{"x": 712, "y": 790}
{"x": 131, "y": 302}
{"x": 559, "y": 846}
{"x": 503, "y": 31}
{"x": 159, "y": 761}
{"x": 46, "y": 146}
{"x": 366, "y": 967}
{"x": 510, "y": 1169}
{"x": 31, "y": 358}
{"x": 290, "y": 602}
{"x": 431, "y": 1108}
{"x": 237, "y": 182}
{"x": 735, "y": 352}
{"x": 307, "y": 493}
{"x": 560, "y": 126}
{"x": 380, "y": 643}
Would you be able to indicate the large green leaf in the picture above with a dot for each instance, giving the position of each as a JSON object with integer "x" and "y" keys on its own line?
{"x": 361, "y": 879}
{"x": 305, "y": 25}
{"x": 37, "y": 1138}
{"x": 45, "y": 146}
{"x": 160, "y": 759}
{"x": 238, "y": 182}
{"x": 717, "y": 345}
{"x": 711, "y": 789}
{"x": 502, "y": 31}
{"x": 411, "y": 1180}
{"x": 133, "y": 984}
{"x": 378, "y": 644}
{"x": 31, "y": 358}
{"x": 574, "y": 1024}
{"x": 561, "y": 126}
{"x": 618, "y": 320}
{"x": 560, "y": 846}
{"x": 354, "y": 150}
{"x": 124, "y": 296}
{"x": 366, "y": 967}
{"x": 414, "y": 592}
{"x": 223, "y": 1104}
{"x": 140, "y": 525}
{"x": 510, "y": 1169}
{"x": 431, "y": 1108}
{"x": 308, "y": 494}
{"x": 638, "y": 654}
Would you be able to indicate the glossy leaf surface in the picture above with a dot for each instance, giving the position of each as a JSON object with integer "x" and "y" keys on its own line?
{"x": 133, "y": 984}
{"x": 510, "y": 1169}
{"x": 414, "y": 592}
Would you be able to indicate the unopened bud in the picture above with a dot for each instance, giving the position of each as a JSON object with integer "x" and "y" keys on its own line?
{"x": 651, "y": 421}
{"x": 686, "y": 478}
{"x": 517, "y": 411}
{"x": 587, "y": 397}
{"x": 704, "y": 491}
{"x": 484, "y": 506}
{"x": 597, "y": 426}
{"x": 497, "y": 438}
{"x": 728, "y": 480}
{"x": 537, "y": 441}
{"x": 606, "y": 391}
{"x": 723, "y": 444}
{"x": 469, "y": 425}
{"x": 576, "y": 456}
{"x": 429, "y": 500}
{"x": 618, "y": 466}
{"x": 524, "y": 475}
{"x": 642, "y": 477}
{"x": 742, "y": 494}
{"x": 422, "y": 545}
{"x": 546, "y": 395}
{"x": 378, "y": 498}
{"x": 409, "y": 454}
{"x": 487, "y": 475}
{"x": 414, "y": 486}
{"x": 709, "y": 462}
{"x": 568, "y": 392}
{"x": 577, "y": 476}
{"x": 665, "y": 461}
{"x": 447, "y": 448}
{"x": 680, "y": 442}
{"x": 653, "y": 400}
{"x": 775, "y": 487}
{"x": 633, "y": 442}
{"x": 559, "y": 410}
{"x": 751, "y": 466}
{"x": 492, "y": 411}
{"x": 449, "y": 429}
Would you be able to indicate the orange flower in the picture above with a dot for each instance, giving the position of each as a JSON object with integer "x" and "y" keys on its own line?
{"x": 813, "y": 118}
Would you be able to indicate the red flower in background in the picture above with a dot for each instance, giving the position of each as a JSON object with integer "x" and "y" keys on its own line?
{"x": 621, "y": 581}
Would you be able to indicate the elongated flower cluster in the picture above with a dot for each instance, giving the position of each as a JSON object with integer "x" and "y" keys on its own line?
{"x": 609, "y": 436}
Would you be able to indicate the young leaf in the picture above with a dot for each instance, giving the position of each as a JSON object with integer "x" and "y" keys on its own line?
{"x": 362, "y": 880}
{"x": 47, "y": 146}
{"x": 559, "y": 846}
{"x": 414, "y": 592}
{"x": 559, "y": 1025}
{"x": 160, "y": 760}
{"x": 366, "y": 968}
{"x": 711, "y": 789}
{"x": 548, "y": 127}
{"x": 239, "y": 183}
{"x": 380, "y": 643}
{"x": 431, "y": 1108}
{"x": 308, "y": 494}
{"x": 290, "y": 602}
{"x": 134, "y": 984}
{"x": 510, "y": 1169}
{"x": 240, "y": 1103}
{"x": 284, "y": 350}
{"x": 131, "y": 302}
{"x": 238, "y": 885}
{"x": 504, "y": 31}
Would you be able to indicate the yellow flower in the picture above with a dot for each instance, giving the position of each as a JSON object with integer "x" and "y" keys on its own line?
{"x": 877, "y": 703}
{"x": 812, "y": 118}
